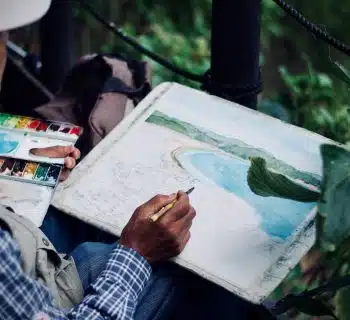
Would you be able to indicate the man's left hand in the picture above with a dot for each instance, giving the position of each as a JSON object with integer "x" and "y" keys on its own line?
{"x": 69, "y": 153}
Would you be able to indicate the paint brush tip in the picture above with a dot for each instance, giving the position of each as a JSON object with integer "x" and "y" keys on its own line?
{"x": 189, "y": 191}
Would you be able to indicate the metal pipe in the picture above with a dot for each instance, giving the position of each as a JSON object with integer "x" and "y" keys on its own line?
{"x": 235, "y": 72}
{"x": 56, "y": 31}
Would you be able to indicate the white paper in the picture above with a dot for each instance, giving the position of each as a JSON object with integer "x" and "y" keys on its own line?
{"x": 26, "y": 199}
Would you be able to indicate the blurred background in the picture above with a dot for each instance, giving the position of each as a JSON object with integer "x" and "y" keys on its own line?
{"x": 298, "y": 74}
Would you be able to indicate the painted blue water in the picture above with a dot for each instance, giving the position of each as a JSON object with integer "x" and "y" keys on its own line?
{"x": 7, "y": 146}
{"x": 280, "y": 217}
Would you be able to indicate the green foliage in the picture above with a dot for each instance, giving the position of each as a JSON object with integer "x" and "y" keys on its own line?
{"x": 334, "y": 206}
{"x": 179, "y": 33}
{"x": 271, "y": 15}
{"x": 317, "y": 102}
{"x": 342, "y": 303}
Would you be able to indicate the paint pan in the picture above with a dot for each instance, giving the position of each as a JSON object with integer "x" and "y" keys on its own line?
{"x": 33, "y": 124}
{"x": 11, "y": 122}
{"x": 41, "y": 172}
{"x": 3, "y": 118}
{"x": 54, "y": 127}
{"x": 75, "y": 131}
{"x": 18, "y": 168}
{"x": 30, "y": 170}
{"x": 6, "y": 168}
{"x": 22, "y": 123}
{"x": 43, "y": 126}
{"x": 53, "y": 174}
{"x": 65, "y": 129}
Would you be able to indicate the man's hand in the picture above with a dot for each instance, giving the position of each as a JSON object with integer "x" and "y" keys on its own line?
{"x": 164, "y": 239}
{"x": 69, "y": 153}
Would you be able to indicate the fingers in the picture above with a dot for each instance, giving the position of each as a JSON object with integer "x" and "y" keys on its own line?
{"x": 156, "y": 203}
{"x": 185, "y": 222}
{"x": 180, "y": 209}
{"x": 182, "y": 242}
{"x": 76, "y": 154}
{"x": 181, "y": 227}
{"x": 69, "y": 162}
{"x": 185, "y": 240}
{"x": 56, "y": 152}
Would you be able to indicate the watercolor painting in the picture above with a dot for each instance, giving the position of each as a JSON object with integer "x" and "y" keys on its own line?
{"x": 227, "y": 166}
{"x": 280, "y": 217}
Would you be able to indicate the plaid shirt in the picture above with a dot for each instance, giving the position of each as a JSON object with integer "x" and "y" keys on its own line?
{"x": 114, "y": 295}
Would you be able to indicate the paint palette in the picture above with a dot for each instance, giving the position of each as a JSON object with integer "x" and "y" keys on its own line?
{"x": 64, "y": 131}
{"x": 25, "y": 171}
{"x": 28, "y": 171}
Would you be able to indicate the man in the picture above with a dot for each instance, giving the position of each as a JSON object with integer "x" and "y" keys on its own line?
{"x": 99, "y": 281}
{"x": 115, "y": 293}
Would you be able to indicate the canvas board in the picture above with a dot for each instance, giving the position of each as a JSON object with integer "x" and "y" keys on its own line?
{"x": 178, "y": 138}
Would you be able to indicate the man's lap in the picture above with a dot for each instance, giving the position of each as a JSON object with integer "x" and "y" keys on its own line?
{"x": 171, "y": 293}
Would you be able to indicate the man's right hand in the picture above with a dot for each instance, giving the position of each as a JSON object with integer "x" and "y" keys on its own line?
{"x": 164, "y": 239}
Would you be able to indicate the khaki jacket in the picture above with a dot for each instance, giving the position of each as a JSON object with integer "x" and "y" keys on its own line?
{"x": 41, "y": 262}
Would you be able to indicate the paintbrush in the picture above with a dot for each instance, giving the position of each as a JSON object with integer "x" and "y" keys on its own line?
{"x": 155, "y": 217}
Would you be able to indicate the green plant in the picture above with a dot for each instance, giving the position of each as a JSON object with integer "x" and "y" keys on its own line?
{"x": 271, "y": 15}
{"x": 318, "y": 103}
{"x": 179, "y": 32}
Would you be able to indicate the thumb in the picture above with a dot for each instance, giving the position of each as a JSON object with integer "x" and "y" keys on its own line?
{"x": 53, "y": 152}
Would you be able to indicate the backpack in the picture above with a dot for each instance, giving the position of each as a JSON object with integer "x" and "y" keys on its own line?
{"x": 97, "y": 94}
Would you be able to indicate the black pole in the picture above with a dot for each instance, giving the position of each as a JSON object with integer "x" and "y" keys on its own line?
{"x": 56, "y": 43}
{"x": 235, "y": 72}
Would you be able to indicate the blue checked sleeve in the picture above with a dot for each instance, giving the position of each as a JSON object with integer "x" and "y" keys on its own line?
{"x": 114, "y": 295}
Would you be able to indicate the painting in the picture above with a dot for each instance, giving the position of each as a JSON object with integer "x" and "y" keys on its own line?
{"x": 227, "y": 166}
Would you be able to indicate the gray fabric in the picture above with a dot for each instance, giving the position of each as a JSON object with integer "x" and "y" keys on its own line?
{"x": 41, "y": 262}
{"x": 108, "y": 111}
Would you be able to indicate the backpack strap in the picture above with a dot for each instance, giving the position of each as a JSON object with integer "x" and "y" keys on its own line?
{"x": 115, "y": 85}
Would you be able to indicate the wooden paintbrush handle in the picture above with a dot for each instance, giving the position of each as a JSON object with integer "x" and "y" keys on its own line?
{"x": 162, "y": 211}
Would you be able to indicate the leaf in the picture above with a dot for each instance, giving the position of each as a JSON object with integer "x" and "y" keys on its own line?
{"x": 313, "y": 307}
{"x": 342, "y": 303}
{"x": 266, "y": 183}
{"x": 324, "y": 80}
{"x": 334, "y": 204}
{"x": 341, "y": 72}
{"x": 303, "y": 304}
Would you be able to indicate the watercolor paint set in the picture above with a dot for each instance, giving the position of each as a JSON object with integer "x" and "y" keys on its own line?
{"x": 64, "y": 131}
{"x": 28, "y": 171}
{"x": 21, "y": 172}
{"x": 18, "y": 135}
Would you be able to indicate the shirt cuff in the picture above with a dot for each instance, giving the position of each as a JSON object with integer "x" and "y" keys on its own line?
{"x": 128, "y": 268}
